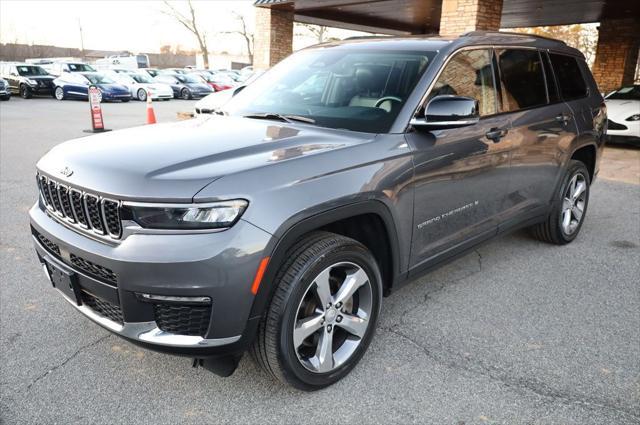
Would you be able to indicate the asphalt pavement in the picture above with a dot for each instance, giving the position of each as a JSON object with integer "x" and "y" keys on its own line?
{"x": 516, "y": 332}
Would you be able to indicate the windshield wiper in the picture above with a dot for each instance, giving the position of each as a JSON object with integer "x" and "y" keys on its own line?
{"x": 282, "y": 117}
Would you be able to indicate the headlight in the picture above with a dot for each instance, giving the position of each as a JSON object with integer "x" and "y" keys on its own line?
{"x": 217, "y": 215}
{"x": 635, "y": 117}
{"x": 32, "y": 82}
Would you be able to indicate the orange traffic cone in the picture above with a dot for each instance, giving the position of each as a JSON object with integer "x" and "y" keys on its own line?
{"x": 151, "y": 115}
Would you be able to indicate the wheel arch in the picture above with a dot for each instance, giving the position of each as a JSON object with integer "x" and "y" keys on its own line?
{"x": 587, "y": 154}
{"x": 366, "y": 221}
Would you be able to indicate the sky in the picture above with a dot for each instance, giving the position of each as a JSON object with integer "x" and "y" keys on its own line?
{"x": 131, "y": 25}
{"x": 137, "y": 26}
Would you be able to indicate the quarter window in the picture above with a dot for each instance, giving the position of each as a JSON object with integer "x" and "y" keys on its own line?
{"x": 569, "y": 76}
{"x": 521, "y": 79}
{"x": 469, "y": 73}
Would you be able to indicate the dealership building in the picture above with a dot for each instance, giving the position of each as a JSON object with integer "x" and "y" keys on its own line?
{"x": 618, "y": 40}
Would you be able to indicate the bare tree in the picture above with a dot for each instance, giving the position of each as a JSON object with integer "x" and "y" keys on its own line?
{"x": 319, "y": 32}
{"x": 189, "y": 22}
{"x": 243, "y": 31}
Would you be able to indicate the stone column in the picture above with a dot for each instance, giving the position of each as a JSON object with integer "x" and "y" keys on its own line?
{"x": 273, "y": 36}
{"x": 460, "y": 16}
{"x": 617, "y": 53}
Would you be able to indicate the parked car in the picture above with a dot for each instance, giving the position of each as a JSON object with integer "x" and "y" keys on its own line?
{"x": 5, "y": 94}
{"x": 185, "y": 86}
{"x": 218, "y": 82}
{"x": 172, "y": 71}
{"x": 151, "y": 72}
{"x": 344, "y": 172}
{"x": 623, "y": 109}
{"x": 27, "y": 80}
{"x": 140, "y": 84}
{"x": 75, "y": 85}
{"x": 58, "y": 68}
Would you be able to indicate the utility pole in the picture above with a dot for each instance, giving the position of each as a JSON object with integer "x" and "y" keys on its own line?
{"x": 81, "y": 39}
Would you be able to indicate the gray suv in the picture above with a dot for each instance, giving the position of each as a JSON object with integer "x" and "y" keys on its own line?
{"x": 349, "y": 169}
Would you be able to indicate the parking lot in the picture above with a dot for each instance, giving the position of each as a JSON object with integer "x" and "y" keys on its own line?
{"x": 515, "y": 332}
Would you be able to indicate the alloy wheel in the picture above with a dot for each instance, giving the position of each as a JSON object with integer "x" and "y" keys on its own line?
{"x": 573, "y": 204}
{"x": 333, "y": 317}
{"x": 59, "y": 93}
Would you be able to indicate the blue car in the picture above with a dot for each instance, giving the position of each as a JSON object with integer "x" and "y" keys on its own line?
{"x": 185, "y": 86}
{"x": 76, "y": 86}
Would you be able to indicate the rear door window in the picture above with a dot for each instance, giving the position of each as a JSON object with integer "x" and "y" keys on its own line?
{"x": 569, "y": 76}
{"x": 521, "y": 79}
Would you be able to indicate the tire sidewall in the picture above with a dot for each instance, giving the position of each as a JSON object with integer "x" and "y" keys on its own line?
{"x": 25, "y": 93}
{"x": 142, "y": 97}
{"x": 292, "y": 368}
{"x": 575, "y": 167}
{"x": 185, "y": 94}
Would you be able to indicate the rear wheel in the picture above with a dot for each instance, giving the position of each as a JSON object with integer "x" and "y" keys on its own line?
{"x": 25, "y": 92}
{"x": 569, "y": 208}
{"x": 59, "y": 93}
{"x": 142, "y": 94}
{"x": 323, "y": 314}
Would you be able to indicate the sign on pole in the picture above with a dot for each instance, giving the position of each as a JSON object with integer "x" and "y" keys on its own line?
{"x": 97, "y": 123}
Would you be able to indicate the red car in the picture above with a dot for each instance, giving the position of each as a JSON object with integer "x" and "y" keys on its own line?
{"x": 218, "y": 82}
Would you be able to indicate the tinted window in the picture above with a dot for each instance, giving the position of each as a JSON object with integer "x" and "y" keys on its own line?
{"x": 469, "y": 73}
{"x": 28, "y": 71}
{"x": 521, "y": 79}
{"x": 570, "y": 79}
{"x": 346, "y": 88}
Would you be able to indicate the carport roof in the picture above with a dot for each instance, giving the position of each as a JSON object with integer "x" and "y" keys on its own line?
{"x": 423, "y": 16}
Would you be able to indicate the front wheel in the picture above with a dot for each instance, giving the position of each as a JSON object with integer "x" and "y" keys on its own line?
{"x": 323, "y": 314}
{"x": 59, "y": 93}
{"x": 569, "y": 207}
{"x": 142, "y": 94}
{"x": 185, "y": 94}
{"x": 25, "y": 92}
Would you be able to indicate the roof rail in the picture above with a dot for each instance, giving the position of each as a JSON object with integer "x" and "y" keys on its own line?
{"x": 514, "y": 34}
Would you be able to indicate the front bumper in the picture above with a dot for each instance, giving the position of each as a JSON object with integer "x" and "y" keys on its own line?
{"x": 220, "y": 266}
{"x": 118, "y": 96}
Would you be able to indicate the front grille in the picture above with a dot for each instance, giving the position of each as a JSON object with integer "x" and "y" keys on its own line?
{"x": 102, "y": 307}
{"x": 86, "y": 211}
{"x": 612, "y": 125}
{"x": 50, "y": 246}
{"x": 94, "y": 270}
{"x": 183, "y": 319}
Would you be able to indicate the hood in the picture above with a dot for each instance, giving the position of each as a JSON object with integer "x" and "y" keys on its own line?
{"x": 172, "y": 162}
{"x": 619, "y": 110}
{"x": 113, "y": 88}
{"x": 199, "y": 86}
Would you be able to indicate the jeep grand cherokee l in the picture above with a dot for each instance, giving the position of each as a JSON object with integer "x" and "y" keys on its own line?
{"x": 342, "y": 173}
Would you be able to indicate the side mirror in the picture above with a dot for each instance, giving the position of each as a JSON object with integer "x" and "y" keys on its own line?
{"x": 449, "y": 111}
{"x": 238, "y": 90}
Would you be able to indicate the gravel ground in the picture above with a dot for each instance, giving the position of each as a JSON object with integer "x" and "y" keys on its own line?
{"x": 517, "y": 332}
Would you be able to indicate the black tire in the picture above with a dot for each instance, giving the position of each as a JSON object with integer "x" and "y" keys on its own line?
{"x": 25, "y": 92}
{"x": 125, "y": 100}
{"x": 186, "y": 94}
{"x": 273, "y": 348}
{"x": 551, "y": 230}
{"x": 6, "y": 97}
{"x": 142, "y": 95}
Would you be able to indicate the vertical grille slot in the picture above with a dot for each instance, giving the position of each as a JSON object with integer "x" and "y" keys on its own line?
{"x": 78, "y": 208}
{"x": 44, "y": 189}
{"x": 111, "y": 214}
{"x": 65, "y": 202}
{"x": 92, "y": 203}
{"x": 53, "y": 193}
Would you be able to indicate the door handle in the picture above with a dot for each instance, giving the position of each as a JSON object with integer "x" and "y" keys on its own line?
{"x": 563, "y": 118}
{"x": 495, "y": 134}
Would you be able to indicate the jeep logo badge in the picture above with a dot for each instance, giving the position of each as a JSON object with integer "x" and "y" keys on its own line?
{"x": 66, "y": 171}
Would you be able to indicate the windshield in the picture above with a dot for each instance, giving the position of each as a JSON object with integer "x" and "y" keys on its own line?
{"x": 186, "y": 78}
{"x": 80, "y": 67}
{"x": 140, "y": 78}
{"x": 98, "y": 79}
{"x": 626, "y": 93}
{"x": 360, "y": 90}
{"x": 30, "y": 70}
